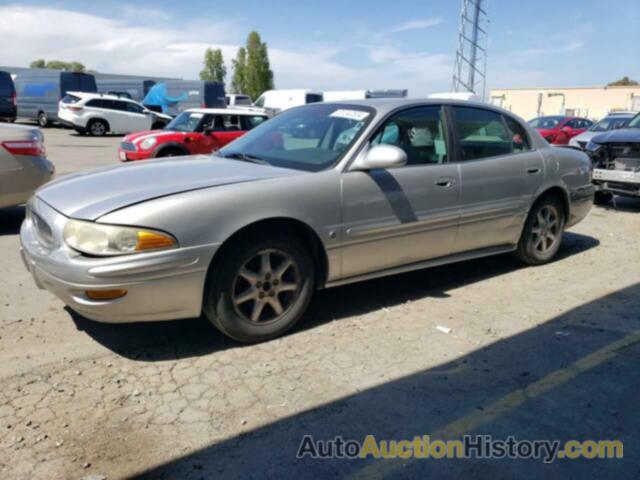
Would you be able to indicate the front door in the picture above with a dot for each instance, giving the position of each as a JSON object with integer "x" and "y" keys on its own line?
{"x": 399, "y": 216}
{"x": 499, "y": 175}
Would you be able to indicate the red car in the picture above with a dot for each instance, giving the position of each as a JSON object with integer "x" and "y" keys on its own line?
{"x": 559, "y": 129}
{"x": 196, "y": 131}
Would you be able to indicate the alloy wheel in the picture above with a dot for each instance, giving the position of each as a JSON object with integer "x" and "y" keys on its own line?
{"x": 266, "y": 286}
{"x": 546, "y": 229}
{"x": 97, "y": 128}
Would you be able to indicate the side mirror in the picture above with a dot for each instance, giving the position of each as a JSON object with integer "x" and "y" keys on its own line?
{"x": 381, "y": 156}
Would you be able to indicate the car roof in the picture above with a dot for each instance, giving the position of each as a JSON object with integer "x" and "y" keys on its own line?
{"x": 386, "y": 105}
{"x": 227, "y": 111}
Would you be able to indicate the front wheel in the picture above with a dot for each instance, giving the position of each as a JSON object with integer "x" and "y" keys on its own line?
{"x": 43, "y": 119}
{"x": 260, "y": 289}
{"x": 602, "y": 198}
{"x": 542, "y": 234}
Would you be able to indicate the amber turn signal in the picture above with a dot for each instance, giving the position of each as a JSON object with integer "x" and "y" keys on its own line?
{"x": 153, "y": 240}
{"x": 105, "y": 294}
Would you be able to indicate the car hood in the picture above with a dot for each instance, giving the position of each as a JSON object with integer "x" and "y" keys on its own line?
{"x": 586, "y": 136}
{"x": 133, "y": 137}
{"x": 94, "y": 193}
{"x": 625, "y": 135}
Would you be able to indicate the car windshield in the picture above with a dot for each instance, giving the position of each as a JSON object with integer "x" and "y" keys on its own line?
{"x": 185, "y": 122}
{"x": 609, "y": 123}
{"x": 310, "y": 138}
{"x": 545, "y": 122}
{"x": 635, "y": 123}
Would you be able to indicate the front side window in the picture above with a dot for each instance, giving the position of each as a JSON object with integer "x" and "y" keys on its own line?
{"x": 310, "y": 138}
{"x": 481, "y": 133}
{"x": 519, "y": 138}
{"x": 249, "y": 122}
{"x": 260, "y": 102}
{"x": 419, "y": 132}
{"x": 134, "y": 108}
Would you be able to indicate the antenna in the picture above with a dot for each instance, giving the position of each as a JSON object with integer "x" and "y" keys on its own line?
{"x": 471, "y": 57}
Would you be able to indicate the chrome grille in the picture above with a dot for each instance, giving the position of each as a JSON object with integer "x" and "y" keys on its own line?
{"x": 128, "y": 146}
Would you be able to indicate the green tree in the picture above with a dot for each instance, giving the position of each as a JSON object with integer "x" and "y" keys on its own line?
{"x": 39, "y": 63}
{"x": 214, "y": 68}
{"x": 58, "y": 65}
{"x": 239, "y": 79}
{"x": 623, "y": 82}
{"x": 259, "y": 76}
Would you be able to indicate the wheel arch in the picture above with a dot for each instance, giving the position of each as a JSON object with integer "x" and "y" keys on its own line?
{"x": 308, "y": 237}
{"x": 98, "y": 119}
{"x": 170, "y": 145}
{"x": 558, "y": 192}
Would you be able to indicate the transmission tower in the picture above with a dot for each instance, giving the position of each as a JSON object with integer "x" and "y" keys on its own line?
{"x": 471, "y": 58}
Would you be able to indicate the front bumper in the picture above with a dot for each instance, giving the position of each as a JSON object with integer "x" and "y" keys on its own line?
{"x": 617, "y": 181}
{"x": 163, "y": 285}
{"x": 131, "y": 156}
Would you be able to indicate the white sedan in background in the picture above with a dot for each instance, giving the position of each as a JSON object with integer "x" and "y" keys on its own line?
{"x": 613, "y": 121}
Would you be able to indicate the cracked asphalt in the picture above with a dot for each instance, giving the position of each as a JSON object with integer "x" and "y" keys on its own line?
{"x": 177, "y": 400}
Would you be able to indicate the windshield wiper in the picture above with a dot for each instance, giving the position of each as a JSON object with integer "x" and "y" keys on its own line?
{"x": 246, "y": 157}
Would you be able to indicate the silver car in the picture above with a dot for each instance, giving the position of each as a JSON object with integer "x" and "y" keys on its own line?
{"x": 319, "y": 196}
{"x": 23, "y": 163}
{"x": 613, "y": 121}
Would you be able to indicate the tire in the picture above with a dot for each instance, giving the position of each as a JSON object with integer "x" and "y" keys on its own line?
{"x": 43, "y": 119}
{"x": 232, "y": 298}
{"x": 602, "y": 198}
{"x": 547, "y": 216}
{"x": 170, "y": 152}
{"x": 97, "y": 128}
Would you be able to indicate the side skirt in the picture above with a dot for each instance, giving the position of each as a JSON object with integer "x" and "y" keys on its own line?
{"x": 434, "y": 262}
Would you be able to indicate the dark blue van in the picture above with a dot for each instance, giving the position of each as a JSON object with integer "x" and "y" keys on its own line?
{"x": 39, "y": 91}
{"x": 7, "y": 97}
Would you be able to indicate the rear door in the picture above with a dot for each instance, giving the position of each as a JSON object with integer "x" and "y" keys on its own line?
{"x": 500, "y": 173}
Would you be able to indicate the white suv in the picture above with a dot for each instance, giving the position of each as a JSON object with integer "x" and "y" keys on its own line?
{"x": 98, "y": 114}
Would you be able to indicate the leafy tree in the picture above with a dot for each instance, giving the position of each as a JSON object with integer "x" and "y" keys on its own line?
{"x": 624, "y": 82}
{"x": 259, "y": 76}
{"x": 58, "y": 65}
{"x": 214, "y": 68}
{"x": 239, "y": 80}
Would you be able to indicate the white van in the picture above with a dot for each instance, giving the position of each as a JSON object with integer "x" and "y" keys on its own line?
{"x": 276, "y": 101}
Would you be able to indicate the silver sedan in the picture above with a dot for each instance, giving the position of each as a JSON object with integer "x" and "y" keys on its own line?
{"x": 319, "y": 196}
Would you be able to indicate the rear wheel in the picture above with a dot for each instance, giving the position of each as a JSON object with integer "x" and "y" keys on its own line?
{"x": 43, "y": 119}
{"x": 602, "y": 198}
{"x": 542, "y": 234}
{"x": 260, "y": 289}
{"x": 98, "y": 128}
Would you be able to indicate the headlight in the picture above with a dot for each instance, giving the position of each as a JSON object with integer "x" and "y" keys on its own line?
{"x": 147, "y": 143}
{"x": 105, "y": 240}
{"x": 592, "y": 146}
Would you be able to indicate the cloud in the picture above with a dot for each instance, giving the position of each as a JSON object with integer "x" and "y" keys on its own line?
{"x": 417, "y": 25}
{"x": 570, "y": 47}
{"x": 158, "y": 48}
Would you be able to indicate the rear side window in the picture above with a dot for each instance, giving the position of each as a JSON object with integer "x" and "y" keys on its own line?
{"x": 7, "y": 89}
{"x": 70, "y": 99}
{"x": 95, "y": 103}
{"x": 481, "y": 133}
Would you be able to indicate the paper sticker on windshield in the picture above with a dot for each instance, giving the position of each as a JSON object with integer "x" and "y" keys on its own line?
{"x": 357, "y": 115}
{"x": 197, "y": 115}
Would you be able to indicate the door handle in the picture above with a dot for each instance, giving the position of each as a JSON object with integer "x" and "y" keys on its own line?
{"x": 533, "y": 170}
{"x": 445, "y": 182}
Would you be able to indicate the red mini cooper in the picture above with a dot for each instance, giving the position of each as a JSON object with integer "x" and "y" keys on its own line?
{"x": 196, "y": 131}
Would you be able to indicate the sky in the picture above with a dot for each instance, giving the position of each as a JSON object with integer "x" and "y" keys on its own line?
{"x": 333, "y": 44}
